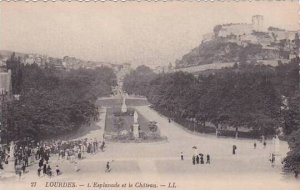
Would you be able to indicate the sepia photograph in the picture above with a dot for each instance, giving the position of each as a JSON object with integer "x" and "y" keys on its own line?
{"x": 174, "y": 95}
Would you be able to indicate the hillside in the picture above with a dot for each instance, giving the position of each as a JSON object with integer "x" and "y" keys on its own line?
{"x": 235, "y": 47}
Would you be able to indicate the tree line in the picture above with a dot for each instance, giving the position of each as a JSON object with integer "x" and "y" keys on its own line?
{"x": 247, "y": 96}
{"x": 53, "y": 102}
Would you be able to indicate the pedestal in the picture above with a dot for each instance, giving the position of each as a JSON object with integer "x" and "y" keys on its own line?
{"x": 124, "y": 108}
{"x": 136, "y": 133}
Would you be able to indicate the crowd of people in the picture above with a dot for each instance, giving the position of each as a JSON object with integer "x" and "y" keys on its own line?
{"x": 27, "y": 154}
{"x": 199, "y": 159}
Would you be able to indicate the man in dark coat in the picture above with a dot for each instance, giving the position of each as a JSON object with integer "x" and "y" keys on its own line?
{"x": 197, "y": 159}
{"x": 208, "y": 159}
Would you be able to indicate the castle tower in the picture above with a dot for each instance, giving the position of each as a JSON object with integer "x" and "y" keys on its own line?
{"x": 258, "y": 23}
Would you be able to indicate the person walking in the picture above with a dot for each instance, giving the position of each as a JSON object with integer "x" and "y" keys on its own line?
{"x": 16, "y": 162}
{"x": 41, "y": 163}
{"x": 26, "y": 160}
{"x": 272, "y": 159}
{"x": 102, "y": 146}
{"x": 108, "y": 169}
{"x": 39, "y": 171}
{"x": 47, "y": 158}
{"x": 201, "y": 159}
{"x": 207, "y": 159}
{"x": 197, "y": 159}
{"x": 57, "y": 170}
{"x": 265, "y": 144}
{"x": 79, "y": 155}
{"x": 44, "y": 168}
{"x": 181, "y": 155}
{"x": 254, "y": 145}
{"x": 23, "y": 166}
{"x": 194, "y": 159}
{"x": 296, "y": 173}
{"x": 234, "y": 149}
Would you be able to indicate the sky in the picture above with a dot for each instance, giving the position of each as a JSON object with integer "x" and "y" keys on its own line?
{"x": 149, "y": 33}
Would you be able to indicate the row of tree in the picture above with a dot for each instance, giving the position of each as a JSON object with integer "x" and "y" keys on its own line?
{"x": 53, "y": 102}
{"x": 258, "y": 97}
{"x": 248, "y": 96}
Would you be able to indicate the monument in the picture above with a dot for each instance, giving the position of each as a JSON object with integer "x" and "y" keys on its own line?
{"x": 136, "y": 132}
{"x": 124, "y": 107}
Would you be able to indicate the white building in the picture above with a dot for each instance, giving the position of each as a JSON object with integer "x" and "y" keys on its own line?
{"x": 235, "y": 29}
{"x": 5, "y": 82}
{"x": 258, "y": 23}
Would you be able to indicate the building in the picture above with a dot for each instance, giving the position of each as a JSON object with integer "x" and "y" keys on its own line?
{"x": 207, "y": 37}
{"x": 55, "y": 63}
{"x": 71, "y": 63}
{"x": 240, "y": 29}
{"x": 5, "y": 82}
{"x": 237, "y": 29}
{"x": 258, "y": 23}
{"x": 2, "y": 65}
{"x": 29, "y": 60}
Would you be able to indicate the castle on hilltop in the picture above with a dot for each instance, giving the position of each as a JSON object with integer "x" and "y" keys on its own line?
{"x": 255, "y": 33}
{"x": 242, "y": 28}
{"x": 242, "y": 42}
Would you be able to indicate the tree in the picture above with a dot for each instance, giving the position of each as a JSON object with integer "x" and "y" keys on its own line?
{"x": 137, "y": 81}
{"x": 55, "y": 102}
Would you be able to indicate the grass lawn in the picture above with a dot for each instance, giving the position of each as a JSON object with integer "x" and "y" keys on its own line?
{"x": 136, "y": 102}
{"x": 118, "y": 102}
{"x": 110, "y": 125}
{"x": 109, "y": 102}
{"x": 112, "y": 128}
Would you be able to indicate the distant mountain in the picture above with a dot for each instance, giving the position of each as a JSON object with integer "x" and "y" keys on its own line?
{"x": 8, "y": 53}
